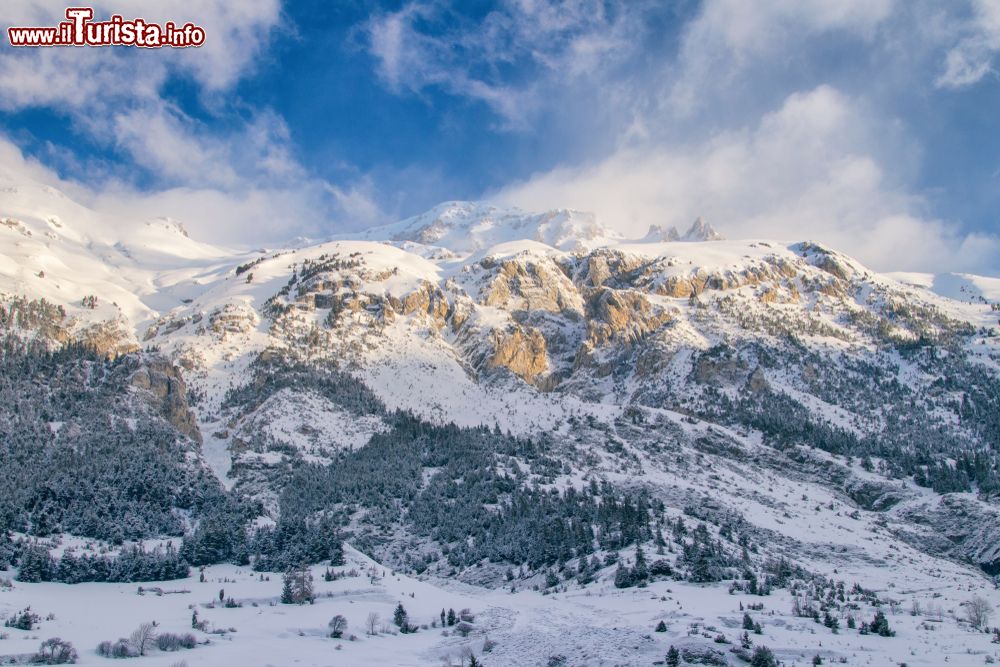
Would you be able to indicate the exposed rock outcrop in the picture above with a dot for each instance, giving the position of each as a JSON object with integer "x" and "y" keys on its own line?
{"x": 233, "y": 319}
{"x": 167, "y": 393}
{"x": 872, "y": 495}
{"x": 530, "y": 286}
{"x": 622, "y": 315}
{"x": 109, "y": 339}
{"x": 522, "y": 351}
{"x": 960, "y": 527}
{"x": 428, "y": 300}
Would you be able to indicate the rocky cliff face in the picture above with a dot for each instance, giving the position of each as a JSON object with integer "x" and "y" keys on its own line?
{"x": 956, "y": 526}
{"x": 48, "y": 323}
{"x": 520, "y": 351}
{"x": 165, "y": 390}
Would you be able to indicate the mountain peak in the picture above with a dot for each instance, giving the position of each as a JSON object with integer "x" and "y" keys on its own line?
{"x": 699, "y": 231}
{"x": 466, "y": 227}
{"x": 169, "y": 224}
{"x": 702, "y": 231}
{"x": 659, "y": 233}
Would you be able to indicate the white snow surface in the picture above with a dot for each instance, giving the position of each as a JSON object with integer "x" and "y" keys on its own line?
{"x": 597, "y": 625}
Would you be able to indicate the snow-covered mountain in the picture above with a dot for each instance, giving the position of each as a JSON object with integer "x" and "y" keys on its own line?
{"x": 786, "y": 398}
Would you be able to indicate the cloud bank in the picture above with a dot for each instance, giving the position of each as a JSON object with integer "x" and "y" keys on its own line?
{"x": 778, "y": 119}
{"x": 803, "y": 172}
{"x": 243, "y": 182}
{"x": 816, "y": 162}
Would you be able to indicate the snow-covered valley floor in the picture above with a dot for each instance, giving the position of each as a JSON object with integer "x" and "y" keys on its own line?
{"x": 596, "y": 625}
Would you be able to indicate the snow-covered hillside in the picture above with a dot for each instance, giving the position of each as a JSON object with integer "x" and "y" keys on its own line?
{"x": 780, "y": 397}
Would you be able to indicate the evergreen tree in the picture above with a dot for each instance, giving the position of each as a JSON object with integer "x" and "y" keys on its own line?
{"x": 451, "y": 617}
{"x": 880, "y": 625}
{"x": 400, "y": 618}
{"x": 297, "y": 586}
{"x": 640, "y": 572}
{"x": 623, "y": 577}
{"x": 35, "y": 564}
{"x": 659, "y": 541}
{"x": 287, "y": 593}
{"x": 673, "y": 657}
{"x": 763, "y": 657}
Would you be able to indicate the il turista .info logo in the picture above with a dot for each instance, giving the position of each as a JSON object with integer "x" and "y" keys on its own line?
{"x": 79, "y": 29}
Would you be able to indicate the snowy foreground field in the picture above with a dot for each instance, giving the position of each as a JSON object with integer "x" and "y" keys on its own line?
{"x": 595, "y": 625}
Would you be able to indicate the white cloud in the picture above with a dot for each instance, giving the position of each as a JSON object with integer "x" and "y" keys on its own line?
{"x": 804, "y": 171}
{"x": 824, "y": 164}
{"x": 115, "y": 94}
{"x": 549, "y": 41}
{"x": 241, "y": 215}
{"x": 165, "y": 141}
{"x": 357, "y": 202}
{"x": 728, "y": 34}
{"x": 242, "y": 183}
{"x": 161, "y": 140}
{"x": 237, "y": 33}
{"x": 683, "y": 120}
{"x": 972, "y": 58}
{"x": 236, "y": 217}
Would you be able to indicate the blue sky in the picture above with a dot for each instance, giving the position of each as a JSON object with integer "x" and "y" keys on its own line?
{"x": 872, "y": 125}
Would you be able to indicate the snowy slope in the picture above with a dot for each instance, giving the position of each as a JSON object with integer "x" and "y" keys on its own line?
{"x": 54, "y": 248}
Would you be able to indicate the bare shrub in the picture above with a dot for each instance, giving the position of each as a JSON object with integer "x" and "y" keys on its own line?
{"x": 978, "y": 611}
{"x": 337, "y": 626}
{"x": 54, "y": 651}
{"x": 143, "y": 638}
{"x": 372, "y": 623}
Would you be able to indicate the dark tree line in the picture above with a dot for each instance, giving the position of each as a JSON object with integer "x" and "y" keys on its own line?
{"x": 81, "y": 453}
{"x": 129, "y": 565}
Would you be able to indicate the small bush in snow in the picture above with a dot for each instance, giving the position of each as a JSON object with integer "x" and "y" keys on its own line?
{"x": 118, "y": 649}
{"x": 169, "y": 641}
{"x": 23, "y": 620}
{"x": 337, "y": 626}
{"x": 54, "y": 651}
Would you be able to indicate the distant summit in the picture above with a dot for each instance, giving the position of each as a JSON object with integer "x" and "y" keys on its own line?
{"x": 702, "y": 231}
{"x": 658, "y": 233}
{"x": 465, "y": 227}
{"x": 699, "y": 231}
